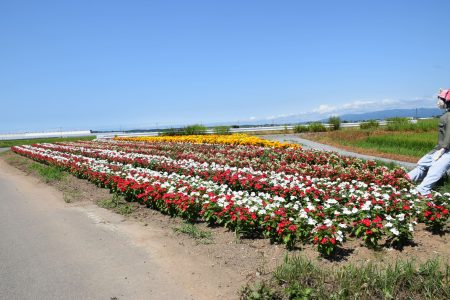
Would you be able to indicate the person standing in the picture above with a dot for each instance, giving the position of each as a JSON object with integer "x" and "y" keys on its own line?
{"x": 433, "y": 165}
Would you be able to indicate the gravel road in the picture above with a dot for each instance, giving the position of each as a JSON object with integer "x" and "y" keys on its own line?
{"x": 307, "y": 144}
{"x": 52, "y": 250}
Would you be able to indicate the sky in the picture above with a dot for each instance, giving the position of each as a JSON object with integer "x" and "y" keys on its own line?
{"x": 136, "y": 64}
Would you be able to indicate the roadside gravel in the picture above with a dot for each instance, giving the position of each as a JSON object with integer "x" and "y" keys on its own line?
{"x": 307, "y": 144}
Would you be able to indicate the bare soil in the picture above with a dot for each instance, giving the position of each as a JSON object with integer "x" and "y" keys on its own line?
{"x": 230, "y": 260}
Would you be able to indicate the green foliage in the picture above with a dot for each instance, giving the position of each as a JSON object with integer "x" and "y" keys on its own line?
{"x": 195, "y": 129}
{"x": 259, "y": 291}
{"x": 188, "y": 130}
{"x": 222, "y": 130}
{"x": 11, "y": 143}
{"x": 404, "y": 124}
{"x": 171, "y": 132}
{"x": 300, "y": 278}
{"x": 317, "y": 127}
{"x": 427, "y": 125}
{"x": 118, "y": 204}
{"x": 335, "y": 122}
{"x": 371, "y": 124}
{"x": 400, "y": 124}
{"x": 48, "y": 173}
{"x": 301, "y": 128}
{"x": 194, "y": 232}
{"x": 312, "y": 127}
{"x": 412, "y": 144}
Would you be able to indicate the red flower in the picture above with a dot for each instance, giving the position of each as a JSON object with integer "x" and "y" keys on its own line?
{"x": 377, "y": 219}
{"x": 366, "y": 222}
{"x": 292, "y": 228}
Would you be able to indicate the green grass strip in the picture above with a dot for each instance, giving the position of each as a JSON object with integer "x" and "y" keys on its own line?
{"x": 11, "y": 143}
{"x": 299, "y": 278}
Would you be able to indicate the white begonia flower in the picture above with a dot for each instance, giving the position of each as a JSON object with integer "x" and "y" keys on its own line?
{"x": 388, "y": 224}
{"x": 401, "y": 217}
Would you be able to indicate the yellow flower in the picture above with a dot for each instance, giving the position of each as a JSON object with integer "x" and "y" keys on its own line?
{"x": 233, "y": 139}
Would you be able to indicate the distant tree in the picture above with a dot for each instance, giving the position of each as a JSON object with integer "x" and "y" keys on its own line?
{"x": 335, "y": 122}
{"x": 317, "y": 127}
{"x": 300, "y": 128}
{"x": 194, "y": 129}
{"x": 371, "y": 124}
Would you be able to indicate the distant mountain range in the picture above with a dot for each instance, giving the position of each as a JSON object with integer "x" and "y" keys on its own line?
{"x": 391, "y": 113}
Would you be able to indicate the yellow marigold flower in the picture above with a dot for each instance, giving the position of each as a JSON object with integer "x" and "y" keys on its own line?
{"x": 233, "y": 139}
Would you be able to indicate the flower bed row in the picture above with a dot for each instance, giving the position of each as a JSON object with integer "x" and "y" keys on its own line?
{"x": 233, "y": 139}
{"x": 289, "y": 161}
{"x": 322, "y": 210}
{"x": 253, "y": 178}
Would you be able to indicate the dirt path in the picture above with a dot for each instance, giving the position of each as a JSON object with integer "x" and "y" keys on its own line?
{"x": 53, "y": 250}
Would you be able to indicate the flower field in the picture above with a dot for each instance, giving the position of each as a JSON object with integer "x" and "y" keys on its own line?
{"x": 255, "y": 187}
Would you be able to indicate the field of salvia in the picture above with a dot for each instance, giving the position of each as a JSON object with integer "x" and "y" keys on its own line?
{"x": 255, "y": 187}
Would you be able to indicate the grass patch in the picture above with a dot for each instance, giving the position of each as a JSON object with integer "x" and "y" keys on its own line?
{"x": 48, "y": 173}
{"x": 300, "y": 278}
{"x": 70, "y": 194}
{"x": 404, "y": 124}
{"x": 118, "y": 204}
{"x": 10, "y": 143}
{"x": 194, "y": 232}
{"x": 410, "y": 144}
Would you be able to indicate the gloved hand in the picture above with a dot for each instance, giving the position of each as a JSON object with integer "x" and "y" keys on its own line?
{"x": 438, "y": 154}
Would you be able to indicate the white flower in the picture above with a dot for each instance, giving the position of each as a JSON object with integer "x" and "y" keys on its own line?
{"x": 328, "y": 222}
{"x": 331, "y": 201}
{"x": 366, "y": 205}
{"x": 339, "y": 236}
{"x": 395, "y": 231}
{"x": 311, "y": 221}
{"x": 401, "y": 217}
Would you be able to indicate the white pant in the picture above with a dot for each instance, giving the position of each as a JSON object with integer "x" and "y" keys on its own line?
{"x": 430, "y": 171}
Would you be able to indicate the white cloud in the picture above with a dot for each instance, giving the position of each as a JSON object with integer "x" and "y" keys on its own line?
{"x": 325, "y": 108}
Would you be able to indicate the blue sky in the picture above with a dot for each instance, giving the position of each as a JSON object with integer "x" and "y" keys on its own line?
{"x": 111, "y": 64}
